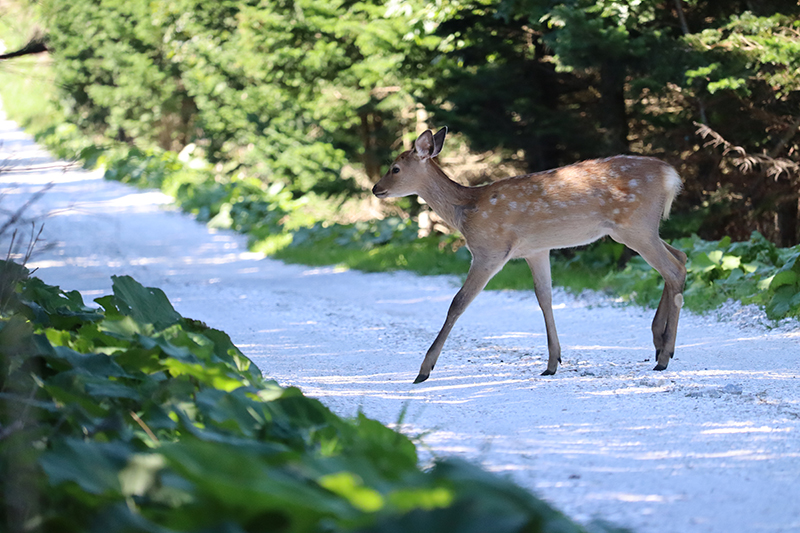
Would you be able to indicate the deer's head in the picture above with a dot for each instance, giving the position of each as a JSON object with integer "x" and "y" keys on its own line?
{"x": 411, "y": 168}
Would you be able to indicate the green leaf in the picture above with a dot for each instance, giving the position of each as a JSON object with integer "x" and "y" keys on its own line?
{"x": 734, "y": 278}
{"x": 143, "y": 304}
{"x": 242, "y": 480}
{"x": 421, "y": 498}
{"x": 216, "y": 376}
{"x": 140, "y": 474}
{"x": 17, "y": 340}
{"x": 351, "y": 487}
{"x": 782, "y": 278}
{"x": 50, "y": 306}
{"x": 782, "y": 301}
{"x": 701, "y": 263}
{"x": 125, "y": 328}
{"x": 226, "y": 351}
{"x": 730, "y": 262}
{"x": 96, "y": 364}
{"x": 92, "y": 465}
{"x": 110, "y": 389}
{"x": 180, "y": 353}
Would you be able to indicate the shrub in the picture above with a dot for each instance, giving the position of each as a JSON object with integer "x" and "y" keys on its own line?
{"x": 131, "y": 417}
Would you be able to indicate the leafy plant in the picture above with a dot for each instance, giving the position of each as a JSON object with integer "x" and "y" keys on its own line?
{"x": 754, "y": 271}
{"x": 130, "y": 417}
{"x": 361, "y": 235}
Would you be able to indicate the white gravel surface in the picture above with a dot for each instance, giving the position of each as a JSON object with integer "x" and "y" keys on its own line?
{"x": 710, "y": 445}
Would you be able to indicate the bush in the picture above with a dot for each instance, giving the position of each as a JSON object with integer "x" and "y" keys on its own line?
{"x": 754, "y": 271}
{"x": 131, "y": 417}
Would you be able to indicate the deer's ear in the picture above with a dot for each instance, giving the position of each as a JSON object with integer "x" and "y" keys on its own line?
{"x": 423, "y": 146}
{"x": 438, "y": 141}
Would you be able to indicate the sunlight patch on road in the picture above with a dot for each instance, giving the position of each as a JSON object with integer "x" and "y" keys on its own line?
{"x": 414, "y": 301}
{"x": 631, "y": 390}
{"x": 514, "y": 335}
{"x": 635, "y": 498}
{"x": 743, "y": 428}
{"x": 338, "y": 269}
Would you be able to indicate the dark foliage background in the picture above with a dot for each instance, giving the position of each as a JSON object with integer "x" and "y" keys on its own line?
{"x": 311, "y": 94}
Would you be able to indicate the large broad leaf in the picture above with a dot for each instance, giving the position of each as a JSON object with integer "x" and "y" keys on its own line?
{"x": 94, "y": 466}
{"x": 701, "y": 262}
{"x": 464, "y": 517}
{"x": 233, "y": 411}
{"x": 143, "y": 304}
{"x": 265, "y": 448}
{"x": 783, "y": 301}
{"x": 96, "y": 364}
{"x": 17, "y": 340}
{"x": 50, "y": 306}
{"x": 242, "y": 484}
{"x": 225, "y": 350}
{"x": 391, "y": 452}
{"x": 122, "y": 518}
{"x": 783, "y": 278}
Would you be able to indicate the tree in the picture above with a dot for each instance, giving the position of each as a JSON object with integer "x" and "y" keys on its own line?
{"x": 285, "y": 91}
{"x": 578, "y": 78}
{"x": 750, "y": 80}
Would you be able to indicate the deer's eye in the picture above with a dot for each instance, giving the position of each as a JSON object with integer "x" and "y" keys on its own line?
{"x": 395, "y": 170}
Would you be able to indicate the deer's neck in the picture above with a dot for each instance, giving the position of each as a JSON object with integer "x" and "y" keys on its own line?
{"x": 446, "y": 197}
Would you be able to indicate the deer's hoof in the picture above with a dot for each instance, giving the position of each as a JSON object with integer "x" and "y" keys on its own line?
{"x": 421, "y": 377}
{"x": 549, "y": 373}
{"x": 660, "y": 367}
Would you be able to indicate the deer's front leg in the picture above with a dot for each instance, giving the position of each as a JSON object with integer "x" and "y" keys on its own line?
{"x": 480, "y": 272}
{"x": 542, "y": 286}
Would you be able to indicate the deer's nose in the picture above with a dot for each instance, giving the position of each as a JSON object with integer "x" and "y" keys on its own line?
{"x": 379, "y": 191}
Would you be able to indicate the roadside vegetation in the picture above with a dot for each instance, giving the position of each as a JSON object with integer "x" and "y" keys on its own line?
{"x": 129, "y": 417}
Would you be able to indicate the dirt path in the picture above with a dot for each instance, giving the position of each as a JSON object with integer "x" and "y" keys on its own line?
{"x": 710, "y": 445}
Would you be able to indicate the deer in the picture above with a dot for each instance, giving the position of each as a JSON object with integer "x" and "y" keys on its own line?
{"x": 624, "y": 197}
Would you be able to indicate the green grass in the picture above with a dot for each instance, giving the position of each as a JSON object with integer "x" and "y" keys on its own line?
{"x": 429, "y": 258}
{"x": 422, "y": 256}
{"x": 27, "y": 89}
{"x": 753, "y": 272}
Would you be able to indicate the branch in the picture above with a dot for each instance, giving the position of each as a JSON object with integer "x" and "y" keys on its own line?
{"x": 17, "y": 215}
{"x": 681, "y": 17}
{"x": 790, "y": 133}
{"x": 773, "y": 166}
{"x": 35, "y": 46}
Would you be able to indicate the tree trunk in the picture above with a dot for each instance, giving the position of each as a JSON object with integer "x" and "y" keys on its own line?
{"x": 787, "y": 216}
{"x": 370, "y": 123}
{"x": 613, "y": 115}
{"x": 36, "y": 46}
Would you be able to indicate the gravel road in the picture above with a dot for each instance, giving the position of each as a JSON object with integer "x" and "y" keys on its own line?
{"x": 710, "y": 445}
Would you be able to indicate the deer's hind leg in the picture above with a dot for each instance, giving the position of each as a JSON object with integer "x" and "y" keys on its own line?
{"x": 670, "y": 263}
